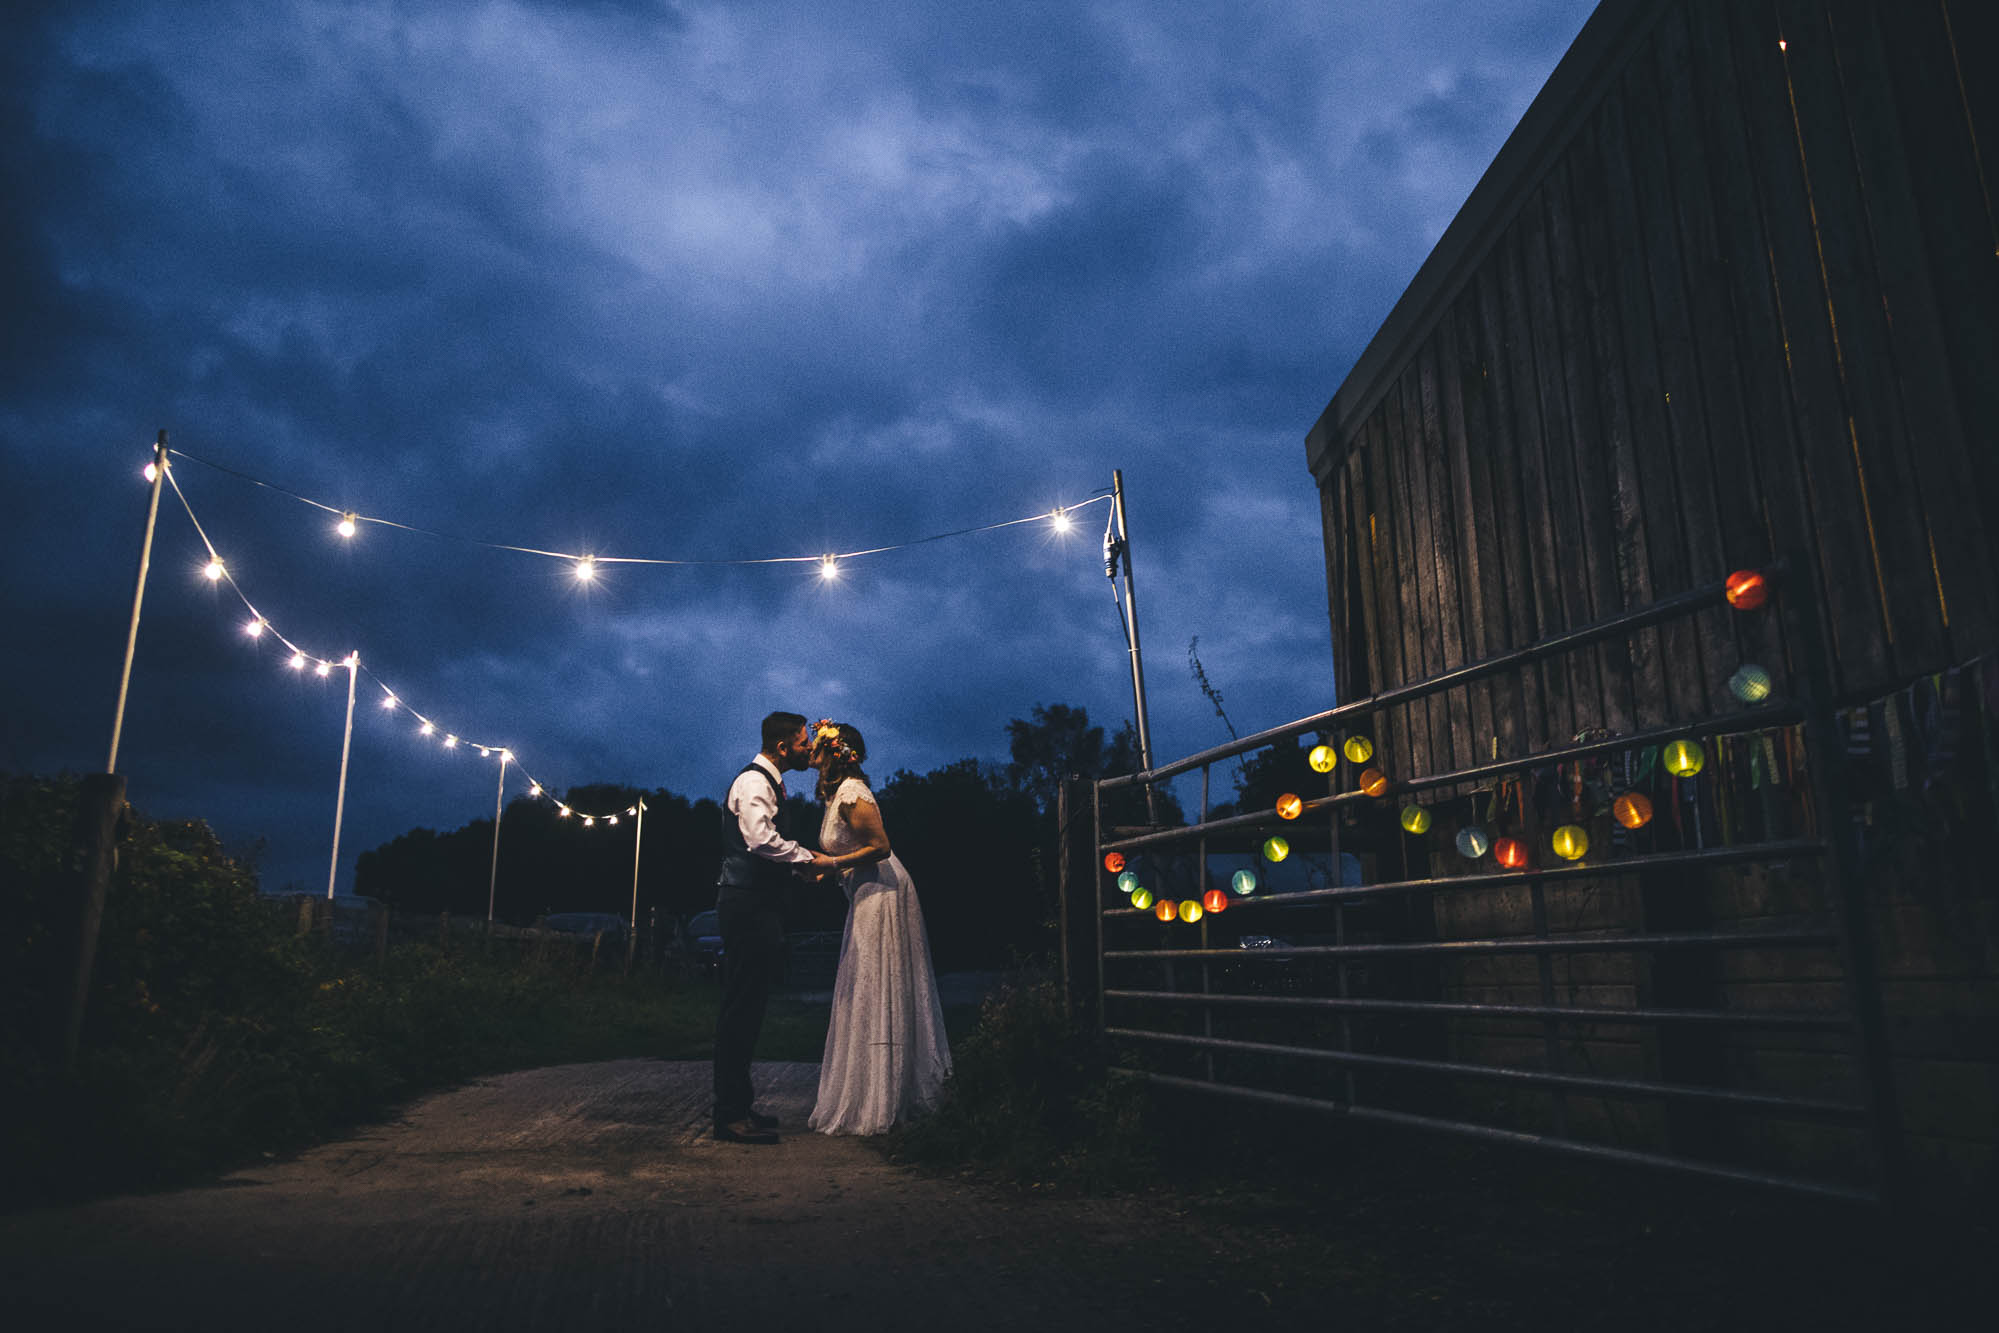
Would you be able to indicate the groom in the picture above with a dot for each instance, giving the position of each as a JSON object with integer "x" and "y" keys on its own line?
{"x": 758, "y": 860}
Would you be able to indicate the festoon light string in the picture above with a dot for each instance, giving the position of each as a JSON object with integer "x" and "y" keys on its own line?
{"x": 391, "y": 700}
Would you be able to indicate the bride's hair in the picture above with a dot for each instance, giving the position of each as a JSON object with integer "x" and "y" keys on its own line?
{"x": 842, "y": 740}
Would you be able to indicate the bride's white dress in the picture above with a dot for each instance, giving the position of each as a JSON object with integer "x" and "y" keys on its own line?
{"x": 886, "y": 1054}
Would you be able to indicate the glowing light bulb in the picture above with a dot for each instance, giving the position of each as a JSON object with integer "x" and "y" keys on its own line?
{"x": 586, "y": 569}
{"x": 632, "y": 810}
{"x": 589, "y": 821}
{"x": 388, "y": 700}
{"x": 562, "y": 812}
{"x": 346, "y": 525}
{"x": 254, "y": 629}
{"x": 212, "y": 571}
{"x": 297, "y": 661}
{"x": 152, "y": 472}
{"x": 612, "y": 820}
{"x": 829, "y": 567}
{"x": 323, "y": 669}
{"x": 534, "y": 790}
{"x": 506, "y": 756}
{"x": 450, "y": 741}
{"x": 426, "y": 729}
{"x": 485, "y": 753}
{"x": 1060, "y": 519}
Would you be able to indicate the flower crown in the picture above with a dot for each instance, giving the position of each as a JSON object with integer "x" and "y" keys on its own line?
{"x": 827, "y": 735}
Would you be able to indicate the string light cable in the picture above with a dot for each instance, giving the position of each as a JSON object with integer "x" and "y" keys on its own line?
{"x": 586, "y": 564}
{"x": 260, "y": 625}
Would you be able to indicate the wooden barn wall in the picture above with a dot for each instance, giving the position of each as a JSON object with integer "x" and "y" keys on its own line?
{"x": 1746, "y": 311}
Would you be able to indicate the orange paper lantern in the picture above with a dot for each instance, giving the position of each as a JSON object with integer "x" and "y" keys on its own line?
{"x": 1373, "y": 781}
{"x": 1165, "y": 909}
{"x": 1747, "y": 589}
{"x": 1289, "y": 806}
{"x": 1215, "y": 900}
{"x": 1633, "y": 809}
{"x": 1510, "y": 852}
{"x": 1114, "y": 861}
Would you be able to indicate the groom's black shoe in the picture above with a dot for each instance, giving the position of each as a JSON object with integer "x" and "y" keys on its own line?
{"x": 762, "y": 1121}
{"x": 744, "y": 1131}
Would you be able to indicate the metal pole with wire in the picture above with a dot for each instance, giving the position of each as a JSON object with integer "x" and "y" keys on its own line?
{"x": 353, "y": 665}
{"x": 499, "y": 804}
{"x": 1117, "y": 550}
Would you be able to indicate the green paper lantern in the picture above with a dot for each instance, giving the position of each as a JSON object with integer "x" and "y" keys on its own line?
{"x": 1275, "y": 849}
{"x": 1683, "y": 758}
{"x": 1141, "y": 897}
{"x": 1359, "y": 749}
{"x": 1750, "y": 684}
{"x": 1190, "y": 910}
{"x": 1571, "y": 842}
{"x": 1415, "y": 819}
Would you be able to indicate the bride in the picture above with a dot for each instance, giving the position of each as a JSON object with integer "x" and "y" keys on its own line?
{"x": 886, "y": 1054}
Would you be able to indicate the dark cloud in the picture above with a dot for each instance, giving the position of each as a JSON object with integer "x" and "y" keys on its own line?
{"x": 695, "y": 281}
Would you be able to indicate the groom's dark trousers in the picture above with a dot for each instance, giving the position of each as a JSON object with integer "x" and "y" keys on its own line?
{"x": 752, "y": 955}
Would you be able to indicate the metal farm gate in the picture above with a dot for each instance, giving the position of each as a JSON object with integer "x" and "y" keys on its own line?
{"x": 1691, "y": 990}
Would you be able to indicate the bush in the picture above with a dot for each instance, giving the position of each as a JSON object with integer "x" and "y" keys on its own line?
{"x": 1030, "y": 1098}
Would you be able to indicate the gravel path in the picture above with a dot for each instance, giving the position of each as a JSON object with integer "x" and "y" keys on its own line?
{"x": 591, "y": 1197}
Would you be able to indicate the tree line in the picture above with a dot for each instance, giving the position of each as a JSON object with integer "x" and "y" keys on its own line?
{"x": 979, "y": 840}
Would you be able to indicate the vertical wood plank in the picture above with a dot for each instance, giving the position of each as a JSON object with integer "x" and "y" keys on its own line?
{"x": 1333, "y": 526}
{"x": 1584, "y": 456}
{"x": 1391, "y": 727}
{"x": 1598, "y": 255}
{"x": 1413, "y": 578}
{"x": 1455, "y": 748}
{"x": 1892, "y": 518}
{"x": 1468, "y": 527}
{"x": 1856, "y": 633}
{"x": 1491, "y": 632}
{"x": 1523, "y": 625}
{"x": 1361, "y": 516}
{"x": 1939, "y": 458}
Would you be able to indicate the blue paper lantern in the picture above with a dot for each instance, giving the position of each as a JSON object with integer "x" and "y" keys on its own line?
{"x": 1473, "y": 843}
{"x": 1243, "y": 883}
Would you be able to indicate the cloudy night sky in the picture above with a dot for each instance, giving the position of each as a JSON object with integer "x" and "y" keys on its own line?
{"x": 702, "y": 282}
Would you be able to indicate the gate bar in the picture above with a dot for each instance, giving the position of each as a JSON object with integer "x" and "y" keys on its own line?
{"x": 1473, "y": 1009}
{"x": 1527, "y": 944}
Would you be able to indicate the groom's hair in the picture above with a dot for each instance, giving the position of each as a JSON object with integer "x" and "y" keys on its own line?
{"x": 779, "y": 728}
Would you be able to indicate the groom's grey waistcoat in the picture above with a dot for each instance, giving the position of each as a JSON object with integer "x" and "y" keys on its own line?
{"x": 744, "y": 873}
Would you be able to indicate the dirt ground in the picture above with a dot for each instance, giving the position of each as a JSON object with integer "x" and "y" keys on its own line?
{"x": 591, "y": 1197}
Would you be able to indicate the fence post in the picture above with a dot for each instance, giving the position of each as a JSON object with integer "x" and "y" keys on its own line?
{"x": 100, "y": 801}
{"x": 1076, "y": 883}
{"x": 305, "y": 916}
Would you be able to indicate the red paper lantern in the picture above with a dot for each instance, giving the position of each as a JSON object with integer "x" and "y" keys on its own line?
{"x": 1510, "y": 852}
{"x": 1215, "y": 900}
{"x": 1114, "y": 861}
{"x": 1633, "y": 809}
{"x": 1747, "y": 589}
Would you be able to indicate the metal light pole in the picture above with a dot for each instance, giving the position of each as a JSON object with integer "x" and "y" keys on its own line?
{"x": 138, "y": 598}
{"x": 638, "y": 836}
{"x": 1120, "y": 550}
{"x": 353, "y": 665}
{"x": 499, "y": 801}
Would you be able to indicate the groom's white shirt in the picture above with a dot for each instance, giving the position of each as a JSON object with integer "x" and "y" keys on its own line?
{"x": 753, "y": 804}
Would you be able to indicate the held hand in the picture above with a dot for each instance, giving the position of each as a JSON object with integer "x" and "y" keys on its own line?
{"x": 823, "y": 865}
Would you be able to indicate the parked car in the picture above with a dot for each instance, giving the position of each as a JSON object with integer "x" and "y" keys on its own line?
{"x": 704, "y": 942}
{"x": 611, "y": 924}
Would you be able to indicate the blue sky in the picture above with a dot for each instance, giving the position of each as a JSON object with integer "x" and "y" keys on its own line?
{"x": 710, "y": 282}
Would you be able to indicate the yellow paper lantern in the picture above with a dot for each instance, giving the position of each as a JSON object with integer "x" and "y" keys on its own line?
{"x": 1571, "y": 842}
{"x": 1415, "y": 819}
{"x": 1359, "y": 749}
{"x": 1683, "y": 758}
{"x": 1322, "y": 758}
{"x": 1275, "y": 849}
{"x": 1165, "y": 909}
{"x": 1633, "y": 809}
{"x": 1141, "y": 898}
{"x": 1289, "y": 806}
{"x": 1373, "y": 781}
{"x": 1190, "y": 910}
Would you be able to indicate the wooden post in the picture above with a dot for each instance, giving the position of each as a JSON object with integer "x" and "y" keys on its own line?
{"x": 305, "y": 916}
{"x": 101, "y": 800}
{"x": 1076, "y": 883}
